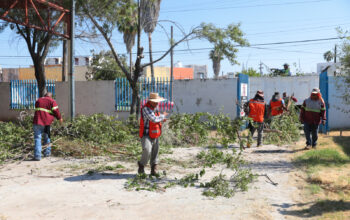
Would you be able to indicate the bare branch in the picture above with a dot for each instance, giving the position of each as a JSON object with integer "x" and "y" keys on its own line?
{"x": 115, "y": 54}
{"x": 168, "y": 51}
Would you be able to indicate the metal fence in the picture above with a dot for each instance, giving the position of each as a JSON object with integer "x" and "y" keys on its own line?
{"x": 24, "y": 93}
{"x": 123, "y": 92}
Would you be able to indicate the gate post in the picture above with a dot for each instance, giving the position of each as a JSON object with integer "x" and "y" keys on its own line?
{"x": 242, "y": 93}
{"x": 324, "y": 91}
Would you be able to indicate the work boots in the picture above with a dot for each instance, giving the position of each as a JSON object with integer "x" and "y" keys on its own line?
{"x": 141, "y": 168}
{"x": 154, "y": 170}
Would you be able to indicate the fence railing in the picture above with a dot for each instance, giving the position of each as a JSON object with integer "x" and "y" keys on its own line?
{"x": 24, "y": 93}
{"x": 123, "y": 92}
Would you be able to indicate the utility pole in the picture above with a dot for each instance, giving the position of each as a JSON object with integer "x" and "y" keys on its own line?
{"x": 172, "y": 60}
{"x": 335, "y": 54}
{"x": 71, "y": 58}
{"x": 64, "y": 60}
{"x": 260, "y": 68}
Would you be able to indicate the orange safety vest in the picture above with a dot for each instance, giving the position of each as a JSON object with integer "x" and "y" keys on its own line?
{"x": 276, "y": 107}
{"x": 256, "y": 110}
{"x": 155, "y": 129}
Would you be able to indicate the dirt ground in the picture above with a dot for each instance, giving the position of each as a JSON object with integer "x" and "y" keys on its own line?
{"x": 57, "y": 188}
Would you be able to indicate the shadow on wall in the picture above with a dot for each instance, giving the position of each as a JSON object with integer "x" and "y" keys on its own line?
{"x": 313, "y": 209}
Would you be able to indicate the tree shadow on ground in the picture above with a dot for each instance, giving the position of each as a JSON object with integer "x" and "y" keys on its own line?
{"x": 275, "y": 166}
{"x": 277, "y": 151}
{"x": 314, "y": 209}
{"x": 98, "y": 176}
{"x": 344, "y": 142}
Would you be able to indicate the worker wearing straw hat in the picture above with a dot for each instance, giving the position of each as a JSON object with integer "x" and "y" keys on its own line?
{"x": 150, "y": 131}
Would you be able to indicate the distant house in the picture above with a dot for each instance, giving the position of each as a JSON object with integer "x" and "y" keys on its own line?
{"x": 180, "y": 73}
{"x": 183, "y": 73}
{"x": 78, "y": 61}
{"x": 53, "y": 72}
{"x": 199, "y": 71}
{"x": 159, "y": 72}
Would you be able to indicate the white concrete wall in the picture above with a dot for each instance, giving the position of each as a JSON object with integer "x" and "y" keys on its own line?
{"x": 209, "y": 95}
{"x": 90, "y": 97}
{"x": 337, "y": 118}
{"x": 301, "y": 86}
{"x": 6, "y": 114}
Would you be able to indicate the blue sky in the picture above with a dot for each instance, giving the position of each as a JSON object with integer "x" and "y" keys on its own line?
{"x": 263, "y": 21}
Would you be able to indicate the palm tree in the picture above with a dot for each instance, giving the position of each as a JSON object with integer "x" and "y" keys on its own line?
{"x": 328, "y": 56}
{"x": 216, "y": 56}
{"x": 127, "y": 25}
{"x": 149, "y": 17}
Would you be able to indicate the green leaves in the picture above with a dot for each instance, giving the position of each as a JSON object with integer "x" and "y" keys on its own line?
{"x": 104, "y": 66}
{"x": 288, "y": 126}
{"x": 224, "y": 41}
{"x": 14, "y": 139}
{"x": 191, "y": 129}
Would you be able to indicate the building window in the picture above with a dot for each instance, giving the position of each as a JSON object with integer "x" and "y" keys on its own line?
{"x": 87, "y": 61}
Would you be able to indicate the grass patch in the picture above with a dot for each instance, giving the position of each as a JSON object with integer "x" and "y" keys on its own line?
{"x": 323, "y": 157}
{"x": 327, "y": 178}
{"x": 314, "y": 189}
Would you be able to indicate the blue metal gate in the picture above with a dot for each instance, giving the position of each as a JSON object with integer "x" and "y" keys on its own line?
{"x": 123, "y": 92}
{"x": 324, "y": 91}
{"x": 24, "y": 93}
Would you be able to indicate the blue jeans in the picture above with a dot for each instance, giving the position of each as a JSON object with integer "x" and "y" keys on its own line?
{"x": 311, "y": 134}
{"x": 38, "y": 131}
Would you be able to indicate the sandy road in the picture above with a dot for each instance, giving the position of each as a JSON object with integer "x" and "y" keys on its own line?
{"x": 59, "y": 189}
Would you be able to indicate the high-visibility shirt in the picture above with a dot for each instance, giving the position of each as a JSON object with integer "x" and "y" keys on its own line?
{"x": 313, "y": 111}
{"x": 46, "y": 110}
{"x": 256, "y": 110}
{"x": 148, "y": 127}
{"x": 276, "y": 107}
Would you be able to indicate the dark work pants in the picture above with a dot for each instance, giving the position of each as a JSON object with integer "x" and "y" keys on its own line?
{"x": 256, "y": 126}
{"x": 311, "y": 134}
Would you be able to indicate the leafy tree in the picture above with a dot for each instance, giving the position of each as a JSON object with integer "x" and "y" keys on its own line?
{"x": 104, "y": 67}
{"x": 328, "y": 56}
{"x": 224, "y": 41}
{"x": 39, "y": 43}
{"x": 345, "y": 61}
{"x": 105, "y": 18}
{"x": 251, "y": 72}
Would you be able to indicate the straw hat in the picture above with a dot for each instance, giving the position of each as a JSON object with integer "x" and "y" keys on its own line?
{"x": 315, "y": 90}
{"x": 154, "y": 97}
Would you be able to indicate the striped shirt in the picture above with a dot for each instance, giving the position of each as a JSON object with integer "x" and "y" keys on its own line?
{"x": 148, "y": 115}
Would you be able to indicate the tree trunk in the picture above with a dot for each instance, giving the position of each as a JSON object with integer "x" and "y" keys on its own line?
{"x": 40, "y": 75}
{"x": 135, "y": 104}
{"x": 130, "y": 61}
{"x": 150, "y": 54}
{"x": 216, "y": 67}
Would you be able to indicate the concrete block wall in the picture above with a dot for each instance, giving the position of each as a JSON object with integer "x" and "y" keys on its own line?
{"x": 301, "y": 86}
{"x": 210, "y": 95}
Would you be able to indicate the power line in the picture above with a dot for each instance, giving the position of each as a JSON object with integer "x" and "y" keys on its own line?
{"x": 246, "y": 6}
{"x": 250, "y": 46}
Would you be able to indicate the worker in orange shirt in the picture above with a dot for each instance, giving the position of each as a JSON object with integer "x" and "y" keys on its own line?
{"x": 277, "y": 105}
{"x": 256, "y": 111}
